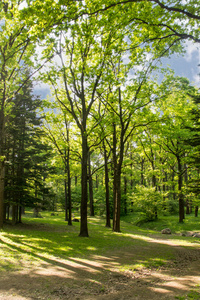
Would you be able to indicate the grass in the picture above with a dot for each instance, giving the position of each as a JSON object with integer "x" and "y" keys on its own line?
{"x": 50, "y": 237}
{"x": 49, "y": 240}
{"x": 190, "y": 223}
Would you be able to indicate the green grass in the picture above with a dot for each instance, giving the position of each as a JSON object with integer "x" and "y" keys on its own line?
{"x": 49, "y": 238}
{"x": 49, "y": 242}
{"x": 190, "y": 223}
{"x": 192, "y": 295}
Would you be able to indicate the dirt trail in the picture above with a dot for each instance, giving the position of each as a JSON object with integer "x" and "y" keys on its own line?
{"x": 100, "y": 278}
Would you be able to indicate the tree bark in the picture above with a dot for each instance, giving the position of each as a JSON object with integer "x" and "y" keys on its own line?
{"x": 84, "y": 193}
{"x": 107, "y": 187}
{"x": 196, "y": 211}
{"x": 2, "y": 172}
{"x": 2, "y": 165}
{"x": 90, "y": 187}
{"x": 117, "y": 201}
{"x": 117, "y": 179}
{"x": 69, "y": 181}
{"x": 65, "y": 183}
{"x": 180, "y": 196}
{"x": 66, "y": 200}
{"x": 125, "y": 195}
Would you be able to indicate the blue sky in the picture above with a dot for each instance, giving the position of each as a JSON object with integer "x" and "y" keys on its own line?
{"x": 186, "y": 65}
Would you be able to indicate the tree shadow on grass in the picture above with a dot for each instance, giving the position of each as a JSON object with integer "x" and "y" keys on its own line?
{"x": 93, "y": 275}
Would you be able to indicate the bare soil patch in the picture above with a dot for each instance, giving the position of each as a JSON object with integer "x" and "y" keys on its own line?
{"x": 100, "y": 277}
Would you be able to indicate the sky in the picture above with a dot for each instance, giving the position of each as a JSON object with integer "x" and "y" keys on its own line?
{"x": 188, "y": 64}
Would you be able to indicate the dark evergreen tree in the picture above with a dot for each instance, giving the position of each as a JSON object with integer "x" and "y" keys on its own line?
{"x": 26, "y": 155}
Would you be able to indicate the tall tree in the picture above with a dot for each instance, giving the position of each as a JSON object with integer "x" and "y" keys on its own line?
{"x": 83, "y": 52}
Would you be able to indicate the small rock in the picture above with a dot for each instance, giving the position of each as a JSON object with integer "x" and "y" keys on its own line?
{"x": 196, "y": 235}
{"x": 166, "y": 231}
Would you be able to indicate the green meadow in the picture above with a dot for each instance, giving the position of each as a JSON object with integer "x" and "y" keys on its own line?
{"x": 49, "y": 240}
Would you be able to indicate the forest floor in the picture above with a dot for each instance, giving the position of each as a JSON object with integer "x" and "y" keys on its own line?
{"x": 107, "y": 276}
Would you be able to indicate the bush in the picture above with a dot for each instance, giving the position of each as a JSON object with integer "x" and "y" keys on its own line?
{"x": 148, "y": 201}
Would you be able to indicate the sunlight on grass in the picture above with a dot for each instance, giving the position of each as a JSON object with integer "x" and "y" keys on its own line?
{"x": 91, "y": 248}
{"x": 50, "y": 238}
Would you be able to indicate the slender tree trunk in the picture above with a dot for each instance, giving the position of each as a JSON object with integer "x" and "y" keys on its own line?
{"x": 66, "y": 200}
{"x": 2, "y": 172}
{"x": 117, "y": 198}
{"x": 76, "y": 180}
{"x": 173, "y": 187}
{"x": 125, "y": 195}
{"x": 187, "y": 207}
{"x": 154, "y": 181}
{"x": 107, "y": 187}
{"x": 114, "y": 177}
{"x": 20, "y": 214}
{"x": 65, "y": 183}
{"x": 14, "y": 212}
{"x": 117, "y": 179}
{"x": 90, "y": 187}
{"x": 181, "y": 198}
{"x": 69, "y": 180}
{"x": 2, "y": 166}
{"x": 131, "y": 175}
{"x": 196, "y": 211}
{"x": 84, "y": 193}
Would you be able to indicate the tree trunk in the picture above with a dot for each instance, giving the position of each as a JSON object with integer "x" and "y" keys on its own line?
{"x": 117, "y": 179}
{"x": 20, "y": 214}
{"x": 114, "y": 176}
{"x": 187, "y": 207}
{"x": 125, "y": 195}
{"x": 2, "y": 165}
{"x": 107, "y": 187}
{"x": 117, "y": 200}
{"x": 90, "y": 187}
{"x": 2, "y": 172}
{"x": 84, "y": 193}
{"x": 196, "y": 211}
{"x": 69, "y": 181}
{"x": 14, "y": 209}
{"x": 180, "y": 196}
{"x": 66, "y": 198}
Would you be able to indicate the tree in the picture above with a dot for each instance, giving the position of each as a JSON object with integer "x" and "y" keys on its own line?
{"x": 23, "y": 144}
{"x": 17, "y": 47}
{"x": 193, "y": 157}
{"x": 83, "y": 52}
{"x": 175, "y": 108}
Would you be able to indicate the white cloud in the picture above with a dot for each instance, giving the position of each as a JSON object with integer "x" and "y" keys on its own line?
{"x": 196, "y": 80}
{"x": 191, "y": 49}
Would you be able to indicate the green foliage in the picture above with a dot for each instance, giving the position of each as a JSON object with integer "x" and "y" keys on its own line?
{"x": 148, "y": 201}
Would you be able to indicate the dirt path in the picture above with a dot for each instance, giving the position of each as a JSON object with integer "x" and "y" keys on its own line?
{"x": 101, "y": 278}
